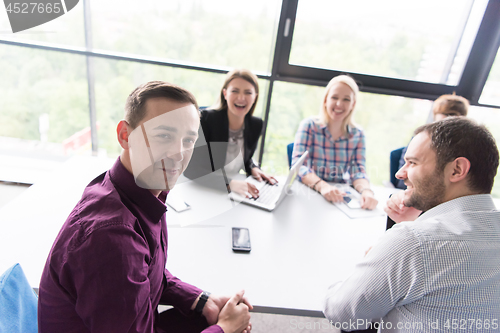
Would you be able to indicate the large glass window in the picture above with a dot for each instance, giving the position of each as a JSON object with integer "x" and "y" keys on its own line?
{"x": 44, "y": 111}
{"x": 425, "y": 41}
{"x": 388, "y": 123}
{"x": 289, "y": 105}
{"x": 43, "y": 95}
{"x": 213, "y": 32}
{"x": 491, "y": 90}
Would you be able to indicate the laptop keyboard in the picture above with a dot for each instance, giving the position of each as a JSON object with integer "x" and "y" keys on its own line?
{"x": 268, "y": 194}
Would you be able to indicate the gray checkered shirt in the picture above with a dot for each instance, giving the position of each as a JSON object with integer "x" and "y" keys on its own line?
{"x": 440, "y": 273}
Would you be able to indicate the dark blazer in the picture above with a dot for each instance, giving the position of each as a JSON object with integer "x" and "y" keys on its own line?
{"x": 212, "y": 155}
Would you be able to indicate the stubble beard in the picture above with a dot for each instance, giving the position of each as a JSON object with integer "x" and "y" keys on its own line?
{"x": 430, "y": 192}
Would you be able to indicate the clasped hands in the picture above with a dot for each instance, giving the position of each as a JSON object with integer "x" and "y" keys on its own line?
{"x": 230, "y": 313}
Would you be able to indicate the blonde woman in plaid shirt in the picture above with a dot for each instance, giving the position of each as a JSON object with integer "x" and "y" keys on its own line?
{"x": 336, "y": 147}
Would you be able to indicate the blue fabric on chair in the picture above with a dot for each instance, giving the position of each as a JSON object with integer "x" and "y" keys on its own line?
{"x": 18, "y": 303}
{"x": 289, "y": 150}
{"x": 394, "y": 167}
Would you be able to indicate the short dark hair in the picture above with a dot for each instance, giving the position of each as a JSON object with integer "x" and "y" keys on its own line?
{"x": 455, "y": 137}
{"x": 134, "y": 107}
{"x": 446, "y": 103}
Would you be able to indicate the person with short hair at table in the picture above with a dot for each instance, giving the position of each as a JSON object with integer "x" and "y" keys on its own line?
{"x": 444, "y": 106}
{"x": 232, "y": 132}
{"x": 106, "y": 271}
{"x": 435, "y": 270}
{"x": 336, "y": 146}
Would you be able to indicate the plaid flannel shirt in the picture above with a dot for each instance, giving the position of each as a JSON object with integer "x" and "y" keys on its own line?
{"x": 338, "y": 161}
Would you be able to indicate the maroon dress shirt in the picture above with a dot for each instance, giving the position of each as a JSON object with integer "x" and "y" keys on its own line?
{"x": 106, "y": 270}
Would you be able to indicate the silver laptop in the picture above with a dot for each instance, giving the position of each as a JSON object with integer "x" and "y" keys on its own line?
{"x": 270, "y": 195}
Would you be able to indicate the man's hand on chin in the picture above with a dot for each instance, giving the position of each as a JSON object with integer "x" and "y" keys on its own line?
{"x": 397, "y": 211}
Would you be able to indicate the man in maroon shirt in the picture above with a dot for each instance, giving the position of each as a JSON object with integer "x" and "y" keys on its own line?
{"x": 106, "y": 270}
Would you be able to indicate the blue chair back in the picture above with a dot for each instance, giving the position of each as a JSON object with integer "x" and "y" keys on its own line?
{"x": 394, "y": 167}
{"x": 18, "y": 303}
{"x": 289, "y": 150}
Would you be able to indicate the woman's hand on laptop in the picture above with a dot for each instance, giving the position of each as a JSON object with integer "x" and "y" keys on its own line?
{"x": 244, "y": 189}
{"x": 258, "y": 174}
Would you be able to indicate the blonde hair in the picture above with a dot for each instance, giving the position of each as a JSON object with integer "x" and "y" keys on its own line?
{"x": 323, "y": 114}
{"x": 244, "y": 74}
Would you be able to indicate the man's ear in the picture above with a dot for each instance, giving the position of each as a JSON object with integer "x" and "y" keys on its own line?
{"x": 122, "y": 132}
{"x": 459, "y": 169}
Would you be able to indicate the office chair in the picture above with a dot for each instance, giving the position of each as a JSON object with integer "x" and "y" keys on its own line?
{"x": 289, "y": 150}
{"x": 18, "y": 303}
{"x": 394, "y": 165}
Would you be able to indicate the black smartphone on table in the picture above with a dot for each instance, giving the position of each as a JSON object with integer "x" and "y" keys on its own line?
{"x": 241, "y": 240}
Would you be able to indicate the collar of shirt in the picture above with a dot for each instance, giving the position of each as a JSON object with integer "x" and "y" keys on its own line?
{"x": 326, "y": 132}
{"x": 124, "y": 181}
{"x": 476, "y": 202}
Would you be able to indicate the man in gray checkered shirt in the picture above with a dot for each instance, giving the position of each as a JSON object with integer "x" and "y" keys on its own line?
{"x": 437, "y": 271}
